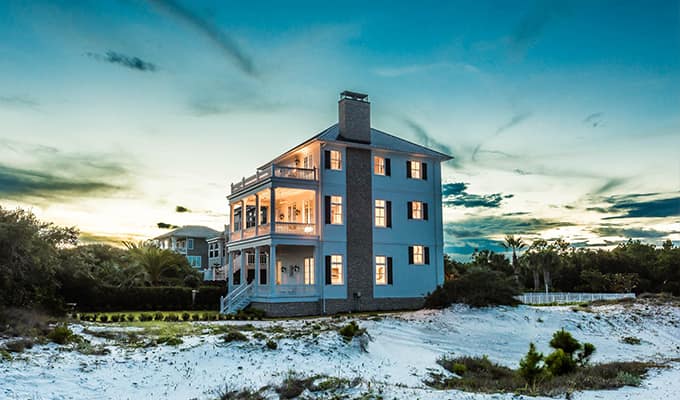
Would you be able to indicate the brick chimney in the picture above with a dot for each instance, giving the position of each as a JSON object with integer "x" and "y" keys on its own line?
{"x": 354, "y": 112}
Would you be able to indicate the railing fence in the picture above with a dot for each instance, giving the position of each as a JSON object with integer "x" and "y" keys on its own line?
{"x": 563, "y": 298}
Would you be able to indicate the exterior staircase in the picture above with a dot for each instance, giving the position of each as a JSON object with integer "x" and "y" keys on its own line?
{"x": 237, "y": 299}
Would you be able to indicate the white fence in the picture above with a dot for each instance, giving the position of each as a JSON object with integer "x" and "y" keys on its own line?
{"x": 564, "y": 298}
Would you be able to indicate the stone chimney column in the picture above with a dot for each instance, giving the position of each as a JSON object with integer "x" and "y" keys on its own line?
{"x": 354, "y": 117}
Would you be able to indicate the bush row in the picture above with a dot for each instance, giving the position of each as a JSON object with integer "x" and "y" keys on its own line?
{"x": 145, "y": 298}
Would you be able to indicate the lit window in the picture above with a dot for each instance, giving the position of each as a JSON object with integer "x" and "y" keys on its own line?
{"x": 418, "y": 255}
{"x": 379, "y": 165}
{"x": 190, "y": 244}
{"x": 309, "y": 271}
{"x": 336, "y": 210}
{"x": 416, "y": 170}
{"x": 279, "y": 272}
{"x": 336, "y": 270}
{"x": 336, "y": 160}
{"x": 417, "y": 210}
{"x": 380, "y": 220}
{"x": 194, "y": 261}
{"x": 381, "y": 270}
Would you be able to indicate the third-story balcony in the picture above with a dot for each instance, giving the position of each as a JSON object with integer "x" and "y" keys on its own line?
{"x": 284, "y": 228}
{"x": 275, "y": 171}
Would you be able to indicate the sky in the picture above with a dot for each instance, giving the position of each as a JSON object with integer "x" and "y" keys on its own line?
{"x": 563, "y": 117}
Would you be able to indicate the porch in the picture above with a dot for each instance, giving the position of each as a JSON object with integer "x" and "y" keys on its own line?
{"x": 270, "y": 273}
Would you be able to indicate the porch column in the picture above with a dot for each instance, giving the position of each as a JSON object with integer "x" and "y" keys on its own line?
{"x": 272, "y": 268}
{"x": 173, "y": 240}
{"x": 230, "y": 270}
{"x": 244, "y": 218}
{"x": 243, "y": 266}
{"x": 257, "y": 220}
{"x": 257, "y": 266}
{"x": 272, "y": 211}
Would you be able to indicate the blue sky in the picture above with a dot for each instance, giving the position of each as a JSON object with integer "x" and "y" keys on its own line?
{"x": 564, "y": 117}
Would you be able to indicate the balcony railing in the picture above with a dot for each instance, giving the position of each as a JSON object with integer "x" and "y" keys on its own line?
{"x": 286, "y": 228}
{"x": 278, "y": 171}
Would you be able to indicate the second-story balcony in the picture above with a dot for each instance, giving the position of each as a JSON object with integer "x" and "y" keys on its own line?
{"x": 275, "y": 172}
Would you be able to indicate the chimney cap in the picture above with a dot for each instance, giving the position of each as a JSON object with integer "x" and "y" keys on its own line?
{"x": 353, "y": 96}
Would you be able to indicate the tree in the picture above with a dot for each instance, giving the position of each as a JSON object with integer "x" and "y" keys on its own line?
{"x": 157, "y": 263}
{"x": 530, "y": 367}
{"x": 515, "y": 244}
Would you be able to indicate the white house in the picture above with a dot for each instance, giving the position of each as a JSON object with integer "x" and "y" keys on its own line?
{"x": 350, "y": 220}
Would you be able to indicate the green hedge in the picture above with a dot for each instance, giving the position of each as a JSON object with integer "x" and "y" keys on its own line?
{"x": 107, "y": 298}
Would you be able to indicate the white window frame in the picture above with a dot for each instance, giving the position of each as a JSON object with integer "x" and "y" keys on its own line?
{"x": 336, "y": 210}
{"x": 336, "y": 160}
{"x": 418, "y": 254}
{"x": 337, "y": 277}
{"x": 192, "y": 261}
{"x": 190, "y": 244}
{"x": 309, "y": 271}
{"x": 380, "y": 270}
{"x": 380, "y": 210}
{"x": 416, "y": 170}
{"x": 379, "y": 165}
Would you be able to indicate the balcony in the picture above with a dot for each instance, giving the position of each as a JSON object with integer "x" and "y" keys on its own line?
{"x": 275, "y": 171}
{"x": 284, "y": 228}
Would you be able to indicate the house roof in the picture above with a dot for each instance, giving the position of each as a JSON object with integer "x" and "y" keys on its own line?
{"x": 379, "y": 140}
{"x": 196, "y": 231}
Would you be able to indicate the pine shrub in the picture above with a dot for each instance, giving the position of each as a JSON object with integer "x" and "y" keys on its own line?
{"x": 530, "y": 367}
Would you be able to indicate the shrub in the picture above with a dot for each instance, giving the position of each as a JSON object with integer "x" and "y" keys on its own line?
{"x": 259, "y": 336}
{"x": 104, "y": 318}
{"x": 477, "y": 288}
{"x": 170, "y": 340}
{"x": 195, "y": 317}
{"x": 235, "y": 336}
{"x": 585, "y": 353}
{"x": 631, "y": 340}
{"x": 458, "y": 369}
{"x": 145, "y": 317}
{"x": 185, "y": 316}
{"x": 271, "y": 345}
{"x": 172, "y": 317}
{"x": 158, "y": 316}
{"x": 530, "y": 367}
{"x": 564, "y": 341}
{"x": 560, "y": 363}
{"x": 19, "y": 345}
{"x": 351, "y": 330}
{"x": 61, "y": 334}
{"x": 130, "y": 317}
{"x": 115, "y": 318}
{"x": 628, "y": 379}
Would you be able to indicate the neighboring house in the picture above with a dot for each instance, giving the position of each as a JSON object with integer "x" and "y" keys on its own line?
{"x": 217, "y": 260}
{"x": 350, "y": 220}
{"x": 190, "y": 240}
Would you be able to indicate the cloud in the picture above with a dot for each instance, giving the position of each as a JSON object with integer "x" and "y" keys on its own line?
{"x": 125, "y": 61}
{"x": 19, "y": 101}
{"x": 515, "y": 120}
{"x": 533, "y": 24}
{"x": 611, "y": 183}
{"x": 391, "y": 72}
{"x": 499, "y": 226}
{"x": 643, "y": 206}
{"x": 455, "y": 194}
{"x": 46, "y": 173}
{"x": 427, "y": 140}
{"x": 594, "y": 119}
{"x": 182, "y": 209}
{"x": 163, "y": 225}
{"x": 225, "y": 43}
{"x": 630, "y": 233}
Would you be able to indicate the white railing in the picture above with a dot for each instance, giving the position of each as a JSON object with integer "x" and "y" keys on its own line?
{"x": 233, "y": 298}
{"x": 295, "y": 228}
{"x": 565, "y": 298}
{"x": 279, "y": 171}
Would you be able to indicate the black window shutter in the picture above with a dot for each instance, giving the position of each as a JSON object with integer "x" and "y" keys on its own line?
{"x": 425, "y": 211}
{"x": 388, "y": 214}
{"x": 328, "y": 270}
{"x": 327, "y": 200}
{"x": 427, "y": 255}
{"x": 388, "y": 167}
{"x": 410, "y": 254}
{"x": 389, "y": 270}
{"x": 408, "y": 169}
{"x": 327, "y": 159}
{"x": 424, "y": 167}
{"x": 409, "y": 210}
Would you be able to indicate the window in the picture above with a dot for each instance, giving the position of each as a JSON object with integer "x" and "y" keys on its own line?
{"x": 307, "y": 162}
{"x": 336, "y": 160}
{"x": 213, "y": 250}
{"x": 416, "y": 170}
{"x": 250, "y": 258}
{"x": 336, "y": 210}
{"x": 309, "y": 271}
{"x": 334, "y": 269}
{"x": 279, "y": 267}
{"x": 379, "y": 165}
{"x": 307, "y": 214}
{"x": 381, "y": 270}
{"x": 264, "y": 212}
{"x": 419, "y": 255}
{"x": 417, "y": 210}
{"x": 237, "y": 219}
{"x": 380, "y": 220}
{"x": 190, "y": 244}
{"x": 251, "y": 216}
{"x": 194, "y": 261}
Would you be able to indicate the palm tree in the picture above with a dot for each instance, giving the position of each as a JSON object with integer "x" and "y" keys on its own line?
{"x": 153, "y": 260}
{"x": 515, "y": 244}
